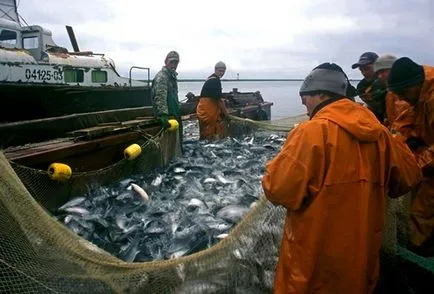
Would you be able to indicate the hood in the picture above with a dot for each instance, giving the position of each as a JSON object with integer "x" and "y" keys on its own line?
{"x": 352, "y": 117}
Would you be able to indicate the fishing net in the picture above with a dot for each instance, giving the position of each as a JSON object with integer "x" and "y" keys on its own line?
{"x": 38, "y": 254}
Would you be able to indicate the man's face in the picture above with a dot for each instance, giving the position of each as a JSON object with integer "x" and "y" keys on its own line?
{"x": 220, "y": 72}
{"x": 367, "y": 71}
{"x": 383, "y": 75}
{"x": 311, "y": 101}
{"x": 411, "y": 94}
{"x": 171, "y": 64}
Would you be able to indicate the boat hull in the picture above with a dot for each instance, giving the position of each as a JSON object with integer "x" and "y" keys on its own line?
{"x": 22, "y": 102}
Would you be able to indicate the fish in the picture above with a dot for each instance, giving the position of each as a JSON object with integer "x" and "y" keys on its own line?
{"x": 224, "y": 181}
{"x": 179, "y": 170}
{"x": 76, "y": 210}
{"x": 157, "y": 181}
{"x": 222, "y": 236}
{"x": 197, "y": 199}
{"x": 140, "y": 191}
{"x": 194, "y": 202}
{"x": 130, "y": 250}
{"x": 73, "y": 202}
{"x": 232, "y": 213}
{"x": 209, "y": 180}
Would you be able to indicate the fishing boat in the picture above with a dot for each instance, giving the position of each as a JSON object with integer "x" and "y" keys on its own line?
{"x": 51, "y": 96}
{"x": 40, "y": 79}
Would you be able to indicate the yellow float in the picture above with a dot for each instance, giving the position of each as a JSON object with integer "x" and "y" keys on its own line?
{"x": 132, "y": 151}
{"x": 59, "y": 171}
{"x": 173, "y": 125}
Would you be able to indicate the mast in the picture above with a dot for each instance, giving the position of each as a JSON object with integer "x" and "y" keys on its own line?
{"x": 9, "y": 11}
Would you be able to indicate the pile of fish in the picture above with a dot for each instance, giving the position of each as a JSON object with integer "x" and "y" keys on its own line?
{"x": 182, "y": 208}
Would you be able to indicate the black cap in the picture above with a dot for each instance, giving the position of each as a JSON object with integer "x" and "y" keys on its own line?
{"x": 405, "y": 73}
{"x": 365, "y": 58}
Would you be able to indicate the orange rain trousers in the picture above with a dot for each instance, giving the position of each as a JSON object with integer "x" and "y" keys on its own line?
{"x": 210, "y": 113}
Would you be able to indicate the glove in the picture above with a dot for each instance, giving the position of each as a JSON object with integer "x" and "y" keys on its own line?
{"x": 165, "y": 122}
{"x": 414, "y": 143}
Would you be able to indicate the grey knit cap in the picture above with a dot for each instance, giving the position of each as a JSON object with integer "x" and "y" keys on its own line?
{"x": 321, "y": 79}
{"x": 384, "y": 62}
{"x": 220, "y": 64}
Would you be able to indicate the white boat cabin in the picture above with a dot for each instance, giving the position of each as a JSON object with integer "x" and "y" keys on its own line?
{"x": 28, "y": 55}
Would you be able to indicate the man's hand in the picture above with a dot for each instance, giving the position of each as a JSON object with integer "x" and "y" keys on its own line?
{"x": 165, "y": 122}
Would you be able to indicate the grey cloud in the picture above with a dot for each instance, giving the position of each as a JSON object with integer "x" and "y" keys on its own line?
{"x": 64, "y": 12}
{"x": 404, "y": 29}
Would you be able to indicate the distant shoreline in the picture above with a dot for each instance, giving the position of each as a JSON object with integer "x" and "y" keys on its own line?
{"x": 251, "y": 80}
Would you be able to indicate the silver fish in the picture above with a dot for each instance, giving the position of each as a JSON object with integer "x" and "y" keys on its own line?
{"x": 194, "y": 202}
{"x": 232, "y": 213}
{"x": 72, "y": 202}
{"x": 222, "y": 236}
{"x": 179, "y": 170}
{"x": 224, "y": 181}
{"x": 140, "y": 191}
{"x": 76, "y": 210}
{"x": 209, "y": 180}
{"x": 130, "y": 251}
{"x": 157, "y": 181}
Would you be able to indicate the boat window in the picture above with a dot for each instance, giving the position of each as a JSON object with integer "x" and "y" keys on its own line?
{"x": 30, "y": 42}
{"x": 73, "y": 75}
{"x": 99, "y": 76}
{"x": 8, "y": 38}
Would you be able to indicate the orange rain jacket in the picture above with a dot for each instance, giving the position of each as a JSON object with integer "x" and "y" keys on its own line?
{"x": 419, "y": 122}
{"x": 394, "y": 106}
{"x": 210, "y": 113}
{"x": 332, "y": 175}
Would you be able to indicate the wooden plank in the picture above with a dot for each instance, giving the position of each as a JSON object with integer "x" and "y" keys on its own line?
{"x": 50, "y": 153}
{"x": 140, "y": 122}
{"x": 94, "y": 131}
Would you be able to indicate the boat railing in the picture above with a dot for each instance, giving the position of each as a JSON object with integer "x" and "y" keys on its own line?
{"x": 138, "y": 67}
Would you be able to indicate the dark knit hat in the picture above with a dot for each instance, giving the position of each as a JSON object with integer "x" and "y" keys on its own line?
{"x": 405, "y": 73}
{"x": 327, "y": 77}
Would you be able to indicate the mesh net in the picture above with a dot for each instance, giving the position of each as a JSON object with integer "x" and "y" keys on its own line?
{"x": 38, "y": 254}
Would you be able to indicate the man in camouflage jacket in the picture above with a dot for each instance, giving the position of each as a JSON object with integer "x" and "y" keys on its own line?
{"x": 371, "y": 89}
{"x": 165, "y": 101}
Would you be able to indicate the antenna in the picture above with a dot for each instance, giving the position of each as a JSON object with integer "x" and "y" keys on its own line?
{"x": 72, "y": 38}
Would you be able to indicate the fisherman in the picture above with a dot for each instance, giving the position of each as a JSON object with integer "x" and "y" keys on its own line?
{"x": 211, "y": 110}
{"x": 415, "y": 84}
{"x": 164, "y": 93}
{"x": 370, "y": 89}
{"x": 331, "y": 175}
{"x": 394, "y": 105}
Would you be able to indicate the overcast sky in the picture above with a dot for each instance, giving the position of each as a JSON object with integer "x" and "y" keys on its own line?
{"x": 270, "y": 39}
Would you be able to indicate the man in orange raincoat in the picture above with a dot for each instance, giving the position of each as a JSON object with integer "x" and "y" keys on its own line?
{"x": 394, "y": 105}
{"x": 332, "y": 175}
{"x": 211, "y": 110}
{"x": 415, "y": 84}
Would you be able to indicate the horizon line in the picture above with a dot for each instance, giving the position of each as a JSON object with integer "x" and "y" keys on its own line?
{"x": 253, "y": 80}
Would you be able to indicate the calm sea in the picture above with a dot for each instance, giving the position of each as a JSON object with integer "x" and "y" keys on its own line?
{"x": 284, "y": 95}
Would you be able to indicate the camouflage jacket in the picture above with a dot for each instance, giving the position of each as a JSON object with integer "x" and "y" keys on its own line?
{"x": 165, "y": 93}
{"x": 374, "y": 95}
